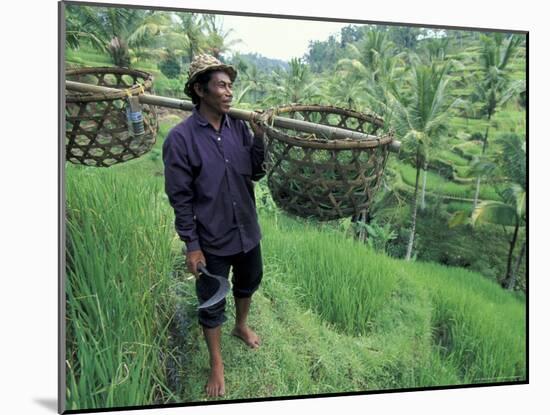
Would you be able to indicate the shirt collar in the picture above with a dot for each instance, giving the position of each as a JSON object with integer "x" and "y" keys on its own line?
{"x": 203, "y": 122}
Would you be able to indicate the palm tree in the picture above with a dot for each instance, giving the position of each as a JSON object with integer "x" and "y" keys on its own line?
{"x": 322, "y": 55}
{"x": 506, "y": 168}
{"x": 188, "y": 32}
{"x": 114, "y": 30}
{"x": 510, "y": 212}
{"x": 512, "y": 160}
{"x": 293, "y": 85}
{"x": 436, "y": 48}
{"x": 344, "y": 92}
{"x": 494, "y": 88}
{"x": 404, "y": 37}
{"x": 378, "y": 80}
{"x": 374, "y": 47}
{"x": 251, "y": 83}
{"x": 75, "y": 19}
{"x": 217, "y": 42}
{"x": 420, "y": 120}
{"x": 374, "y": 56}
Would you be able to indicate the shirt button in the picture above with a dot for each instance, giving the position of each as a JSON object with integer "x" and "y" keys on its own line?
{"x": 219, "y": 138}
{"x": 226, "y": 160}
{"x": 234, "y": 203}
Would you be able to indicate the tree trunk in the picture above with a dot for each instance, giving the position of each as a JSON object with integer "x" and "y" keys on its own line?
{"x": 191, "y": 49}
{"x": 414, "y": 212}
{"x": 120, "y": 54}
{"x": 483, "y": 149}
{"x": 511, "y": 283}
{"x": 506, "y": 281}
{"x": 423, "y": 196}
{"x": 476, "y": 195}
{"x": 362, "y": 219}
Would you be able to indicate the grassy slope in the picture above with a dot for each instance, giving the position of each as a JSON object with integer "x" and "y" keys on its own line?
{"x": 438, "y": 185}
{"x": 312, "y": 342}
{"x": 432, "y": 325}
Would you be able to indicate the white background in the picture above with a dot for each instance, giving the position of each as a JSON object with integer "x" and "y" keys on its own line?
{"x": 28, "y": 366}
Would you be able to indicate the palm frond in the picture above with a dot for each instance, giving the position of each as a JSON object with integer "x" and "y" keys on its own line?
{"x": 511, "y": 46}
{"x": 143, "y": 34}
{"x": 494, "y": 212}
{"x": 514, "y": 89}
{"x": 482, "y": 166}
{"x": 513, "y": 158}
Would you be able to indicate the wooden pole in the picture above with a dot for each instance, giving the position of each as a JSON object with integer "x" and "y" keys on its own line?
{"x": 324, "y": 131}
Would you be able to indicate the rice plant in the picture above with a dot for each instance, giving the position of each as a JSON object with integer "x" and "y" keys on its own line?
{"x": 347, "y": 287}
{"x": 439, "y": 325}
{"x": 478, "y": 328}
{"x": 117, "y": 272}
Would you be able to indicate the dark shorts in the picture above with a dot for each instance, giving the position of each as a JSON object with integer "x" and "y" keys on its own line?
{"x": 247, "y": 275}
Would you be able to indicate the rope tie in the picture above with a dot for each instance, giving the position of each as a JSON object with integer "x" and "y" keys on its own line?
{"x": 139, "y": 87}
{"x": 267, "y": 117}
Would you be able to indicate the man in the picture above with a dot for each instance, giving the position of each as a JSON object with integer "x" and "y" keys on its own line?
{"x": 210, "y": 162}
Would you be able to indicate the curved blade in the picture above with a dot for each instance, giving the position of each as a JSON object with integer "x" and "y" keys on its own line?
{"x": 221, "y": 292}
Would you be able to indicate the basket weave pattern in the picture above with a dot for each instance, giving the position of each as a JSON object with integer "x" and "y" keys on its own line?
{"x": 310, "y": 176}
{"x": 96, "y": 125}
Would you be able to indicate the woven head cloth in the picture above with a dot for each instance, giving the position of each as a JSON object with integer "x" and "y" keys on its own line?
{"x": 204, "y": 63}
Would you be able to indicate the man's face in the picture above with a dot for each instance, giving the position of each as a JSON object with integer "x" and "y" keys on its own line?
{"x": 219, "y": 94}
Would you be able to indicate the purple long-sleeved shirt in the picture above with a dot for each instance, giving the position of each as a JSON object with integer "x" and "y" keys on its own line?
{"x": 208, "y": 180}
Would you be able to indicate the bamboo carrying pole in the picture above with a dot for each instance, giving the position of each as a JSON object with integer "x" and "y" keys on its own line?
{"x": 324, "y": 131}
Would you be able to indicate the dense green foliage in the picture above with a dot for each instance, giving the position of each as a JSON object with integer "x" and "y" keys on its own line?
{"x": 170, "y": 67}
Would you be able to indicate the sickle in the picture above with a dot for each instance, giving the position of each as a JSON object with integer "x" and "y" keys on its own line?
{"x": 220, "y": 293}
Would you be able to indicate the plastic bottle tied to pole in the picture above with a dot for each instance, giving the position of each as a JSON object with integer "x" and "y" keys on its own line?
{"x": 134, "y": 116}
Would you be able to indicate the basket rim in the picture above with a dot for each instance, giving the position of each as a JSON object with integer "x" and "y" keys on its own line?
{"x": 122, "y": 93}
{"x": 370, "y": 117}
{"x": 332, "y": 144}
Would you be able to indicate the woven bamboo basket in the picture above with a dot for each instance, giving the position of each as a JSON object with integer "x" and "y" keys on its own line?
{"x": 96, "y": 124}
{"x": 310, "y": 176}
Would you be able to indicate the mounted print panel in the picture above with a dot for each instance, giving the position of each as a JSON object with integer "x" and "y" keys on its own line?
{"x": 282, "y": 207}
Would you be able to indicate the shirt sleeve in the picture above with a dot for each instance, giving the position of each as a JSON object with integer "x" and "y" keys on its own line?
{"x": 257, "y": 153}
{"x": 178, "y": 178}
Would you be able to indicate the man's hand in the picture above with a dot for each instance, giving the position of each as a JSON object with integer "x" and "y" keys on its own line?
{"x": 257, "y": 128}
{"x": 193, "y": 260}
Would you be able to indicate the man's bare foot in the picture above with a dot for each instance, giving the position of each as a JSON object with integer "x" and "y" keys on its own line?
{"x": 216, "y": 384}
{"x": 247, "y": 335}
